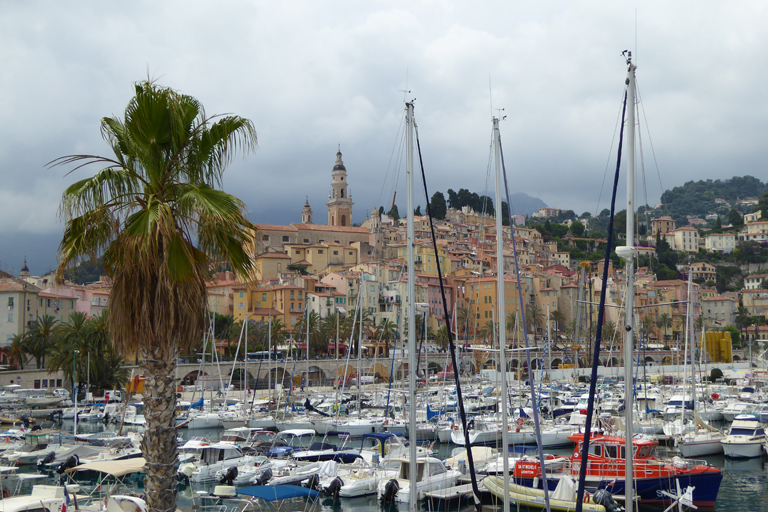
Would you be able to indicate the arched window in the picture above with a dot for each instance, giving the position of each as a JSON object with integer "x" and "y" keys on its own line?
{"x": 333, "y": 220}
{"x": 343, "y": 220}
{"x": 342, "y": 193}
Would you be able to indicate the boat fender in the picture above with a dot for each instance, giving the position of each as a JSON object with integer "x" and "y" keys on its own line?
{"x": 586, "y": 497}
{"x": 390, "y": 491}
{"x": 604, "y": 498}
{"x": 520, "y": 421}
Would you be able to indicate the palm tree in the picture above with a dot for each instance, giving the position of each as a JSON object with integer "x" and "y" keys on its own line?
{"x": 154, "y": 211}
{"x": 535, "y": 317}
{"x": 41, "y": 336}
{"x": 387, "y": 331}
{"x": 558, "y": 317}
{"x": 609, "y": 331}
{"x": 441, "y": 337}
{"x": 664, "y": 321}
{"x": 18, "y": 350}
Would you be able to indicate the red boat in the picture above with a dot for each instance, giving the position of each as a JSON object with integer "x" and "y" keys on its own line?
{"x": 652, "y": 475}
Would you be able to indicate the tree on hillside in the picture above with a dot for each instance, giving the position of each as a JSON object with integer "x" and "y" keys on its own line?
{"x": 417, "y": 211}
{"x": 393, "y": 213}
{"x": 735, "y": 219}
{"x": 437, "y": 206}
{"x": 156, "y": 214}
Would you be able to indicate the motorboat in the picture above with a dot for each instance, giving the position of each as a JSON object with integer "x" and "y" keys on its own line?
{"x": 651, "y": 474}
{"x": 214, "y": 458}
{"x": 746, "y": 438}
{"x": 431, "y": 475}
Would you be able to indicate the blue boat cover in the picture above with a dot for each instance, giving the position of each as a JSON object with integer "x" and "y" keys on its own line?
{"x": 278, "y": 492}
{"x": 199, "y": 403}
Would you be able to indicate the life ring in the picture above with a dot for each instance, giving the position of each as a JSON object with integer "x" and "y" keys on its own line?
{"x": 520, "y": 421}
{"x": 179, "y": 389}
{"x": 576, "y": 453}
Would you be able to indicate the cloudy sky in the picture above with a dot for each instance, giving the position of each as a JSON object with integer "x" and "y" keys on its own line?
{"x": 314, "y": 74}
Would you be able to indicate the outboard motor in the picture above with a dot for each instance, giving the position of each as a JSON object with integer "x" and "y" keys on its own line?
{"x": 334, "y": 487}
{"x": 390, "y": 491}
{"x": 47, "y": 459}
{"x": 604, "y": 498}
{"x": 263, "y": 478}
{"x": 229, "y": 476}
{"x": 71, "y": 462}
{"x": 312, "y": 482}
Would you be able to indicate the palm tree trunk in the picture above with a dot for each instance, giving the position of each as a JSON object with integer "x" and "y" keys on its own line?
{"x": 159, "y": 444}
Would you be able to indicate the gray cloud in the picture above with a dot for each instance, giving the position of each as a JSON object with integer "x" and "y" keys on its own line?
{"x": 313, "y": 75}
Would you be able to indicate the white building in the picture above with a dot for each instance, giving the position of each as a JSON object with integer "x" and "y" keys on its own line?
{"x": 720, "y": 242}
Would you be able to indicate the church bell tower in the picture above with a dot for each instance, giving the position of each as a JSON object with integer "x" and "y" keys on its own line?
{"x": 339, "y": 200}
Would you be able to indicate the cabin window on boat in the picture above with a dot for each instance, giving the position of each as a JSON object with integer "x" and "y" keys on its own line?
{"x": 596, "y": 449}
{"x": 611, "y": 451}
{"x": 742, "y": 431}
{"x": 759, "y": 432}
{"x": 643, "y": 451}
{"x": 436, "y": 468}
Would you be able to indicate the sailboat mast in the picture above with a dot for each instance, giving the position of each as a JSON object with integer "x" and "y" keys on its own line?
{"x": 502, "y": 313}
{"x": 411, "y": 306}
{"x": 628, "y": 253}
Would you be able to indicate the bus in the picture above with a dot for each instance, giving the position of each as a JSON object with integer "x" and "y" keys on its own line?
{"x": 276, "y": 355}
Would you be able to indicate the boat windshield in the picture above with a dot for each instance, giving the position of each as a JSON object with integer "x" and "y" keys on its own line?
{"x": 742, "y": 431}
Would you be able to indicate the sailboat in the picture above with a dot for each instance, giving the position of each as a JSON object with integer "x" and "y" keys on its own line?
{"x": 601, "y": 461}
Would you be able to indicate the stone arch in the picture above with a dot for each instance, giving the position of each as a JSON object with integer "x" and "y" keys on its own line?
{"x": 316, "y": 375}
{"x": 433, "y": 367}
{"x": 514, "y": 363}
{"x": 534, "y": 364}
{"x": 280, "y": 376}
{"x": 191, "y": 378}
{"x": 614, "y": 362}
{"x": 556, "y": 362}
{"x": 380, "y": 372}
{"x": 489, "y": 364}
{"x": 736, "y": 358}
{"x": 649, "y": 359}
{"x": 239, "y": 379}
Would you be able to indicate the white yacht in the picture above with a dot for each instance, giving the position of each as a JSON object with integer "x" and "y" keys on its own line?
{"x": 745, "y": 438}
{"x": 432, "y": 476}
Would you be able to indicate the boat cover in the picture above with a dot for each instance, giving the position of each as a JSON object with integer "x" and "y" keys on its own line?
{"x": 278, "y": 492}
{"x": 115, "y": 468}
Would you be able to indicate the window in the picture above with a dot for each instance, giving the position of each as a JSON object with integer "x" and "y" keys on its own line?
{"x": 300, "y": 291}
{"x": 8, "y": 340}
{"x": 291, "y": 306}
{"x": 306, "y": 240}
{"x": 45, "y": 383}
{"x": 10, "y": 301}
{"x": 335, "y": 253}
{"x": 285, "y": 239}
{"x": 58, "y": 383}
{"x": 264, "y": 297}
{"x": 71, "y": 304}
{"x": 265, "y": 238}
{"x": 319, "y": 251}
{"x": 292, "y": 294}
{"x": 241, "y": 294}
{"x": 37, "y": 384}
{"x": 241, "y": 305}
{"x": 10, "y": 316}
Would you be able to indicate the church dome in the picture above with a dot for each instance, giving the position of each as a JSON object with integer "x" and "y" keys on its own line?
{"x": 339, "y": 164}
